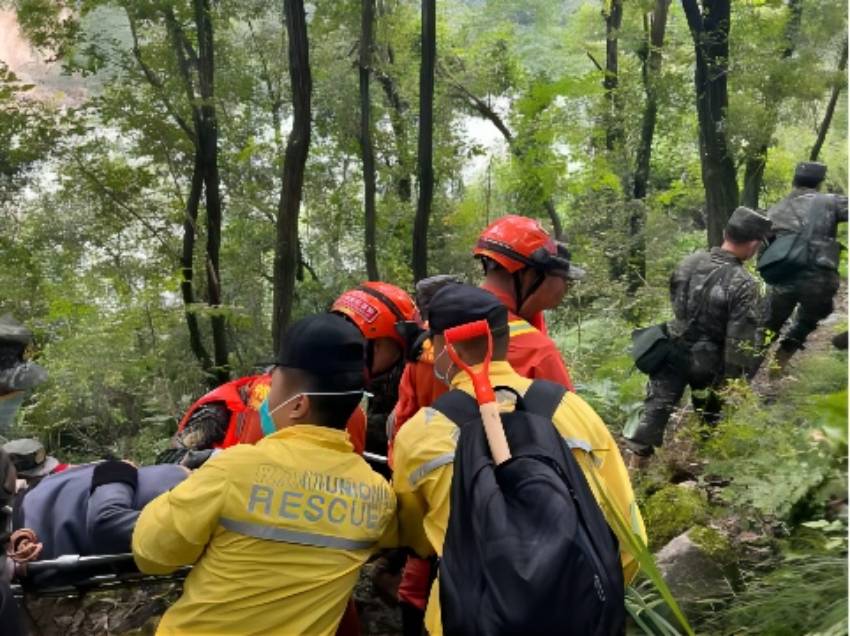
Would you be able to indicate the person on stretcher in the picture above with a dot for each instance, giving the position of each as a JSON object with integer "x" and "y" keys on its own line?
{"x": 90, "y": 509}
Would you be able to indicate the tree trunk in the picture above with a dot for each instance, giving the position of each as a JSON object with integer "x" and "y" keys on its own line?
{"x": 208, "y": 148}
{"x": 755, "y": 162}
{"x": 425, "y": 149}
{"x": 366, "y": 146}
{"x": 203, "y": 134}
{"x": 398, "y": 109}
{"x": 655, "y": 26}
{"x": 830, "y": 108}
{"x": 753, "y": 177}
{"x": 187, "y": 265}
{"x": 295, "y": 159}
{"x": 613, "y": 118}
{"x": 710, "y": 31}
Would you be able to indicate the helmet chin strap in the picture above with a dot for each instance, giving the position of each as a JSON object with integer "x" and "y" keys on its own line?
{"x": 520, "y": 297}
{"x": 370, "y": 358}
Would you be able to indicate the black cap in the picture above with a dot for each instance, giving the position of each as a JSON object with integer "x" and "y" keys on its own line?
{"x": 748, "y": 224}
{"x": 810, "y": 172}
{"x": 326, "y": 345}
{"x": 455, "y": 305}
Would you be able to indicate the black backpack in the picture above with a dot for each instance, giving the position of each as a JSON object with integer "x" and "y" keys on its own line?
{"x": 527, "y": 549}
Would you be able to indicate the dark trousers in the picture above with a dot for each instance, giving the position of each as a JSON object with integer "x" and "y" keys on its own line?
{"x": 811, "y": 294}
{"x": 665, "y": 389}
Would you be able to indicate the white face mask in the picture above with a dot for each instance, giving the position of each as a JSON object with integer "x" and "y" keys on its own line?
{"x": 366, "y": 395}
{"x": 445, "y": 379}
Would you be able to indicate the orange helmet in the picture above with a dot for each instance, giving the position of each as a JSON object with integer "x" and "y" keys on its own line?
{"x": 516, "y": 242}
{"x": 381, "y": 310}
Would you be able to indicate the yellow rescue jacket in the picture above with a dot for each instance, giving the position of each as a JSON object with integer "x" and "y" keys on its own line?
{"x": 277, "y": 531}
{"x": 424, "y": 452}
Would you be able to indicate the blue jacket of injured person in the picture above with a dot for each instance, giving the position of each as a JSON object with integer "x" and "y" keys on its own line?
{"x": 92, "y": 509}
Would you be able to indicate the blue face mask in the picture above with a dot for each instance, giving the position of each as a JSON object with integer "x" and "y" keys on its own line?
{"x": 266, "y": 420}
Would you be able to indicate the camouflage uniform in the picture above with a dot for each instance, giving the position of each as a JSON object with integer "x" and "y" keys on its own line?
{"x": 716, "y": 308}
{"x": 813, "y": 288}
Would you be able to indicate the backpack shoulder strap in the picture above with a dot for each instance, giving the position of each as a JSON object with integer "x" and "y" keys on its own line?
{"x": 458, "y": 406}
{"x": 819, "y": 207}
{"x": 542, "y": 398}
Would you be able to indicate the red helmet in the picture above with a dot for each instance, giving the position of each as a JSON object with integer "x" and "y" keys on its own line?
{"x": 516, "y": 242}
{"x": 381, "y": 310}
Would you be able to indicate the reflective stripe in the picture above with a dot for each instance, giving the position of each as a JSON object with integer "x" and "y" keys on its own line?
{"x": 273, "y": 533}
{"x": 419, "y": 474}
{"x": 519, "y": 328}
{"x": 573, "y": 442}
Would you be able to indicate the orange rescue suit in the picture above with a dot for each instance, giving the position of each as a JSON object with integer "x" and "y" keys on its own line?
{"x": 243, "y": 398}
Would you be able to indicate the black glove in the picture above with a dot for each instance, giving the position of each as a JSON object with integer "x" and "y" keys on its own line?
{"x": 196, "y": 458}
{"x": 114, "y": 471}
{"x": 171, "y": 456}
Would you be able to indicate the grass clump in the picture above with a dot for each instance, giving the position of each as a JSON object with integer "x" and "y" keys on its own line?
{"x": 805, "y": 595}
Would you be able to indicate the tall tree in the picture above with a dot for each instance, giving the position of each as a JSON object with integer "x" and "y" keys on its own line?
{"x": 756, "y": 160}
{"x": 286, "y": 257}
{"x": 709, "y": 24}
{"x": 384, "y": 72}
{"x": 425, "y": 150}
{"x": 208, "y": 147}
{"x": 654, "y": 25}
{"x": 611, "y": 81}
{"x": 196, "y": 69}
{"x": 830, "y": 107}
{"x": 366, "y": 147}
{"x": 517, "y": 148}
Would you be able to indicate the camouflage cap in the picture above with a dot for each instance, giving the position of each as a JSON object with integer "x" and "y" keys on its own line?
{"x": 811, "y": 171}
{"x": 427, "y": 287}
{"x": 748, "y": 224}
{"x": 13, "y": 331}
{"x": 30, "y": 458}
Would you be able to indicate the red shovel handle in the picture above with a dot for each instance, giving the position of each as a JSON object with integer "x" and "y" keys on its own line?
{"x": 484, "y": 394}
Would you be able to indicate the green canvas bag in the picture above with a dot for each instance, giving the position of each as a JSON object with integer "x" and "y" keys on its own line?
{"x": 651, "y": 346}
{"x": 788, "y": 254}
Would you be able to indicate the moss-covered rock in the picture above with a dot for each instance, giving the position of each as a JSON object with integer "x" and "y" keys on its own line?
{"x": 671, "y": 511}
{"x": 713, "y": 543}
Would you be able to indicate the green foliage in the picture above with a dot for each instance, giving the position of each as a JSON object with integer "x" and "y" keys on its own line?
{"x": 92, "y": 205}
{"x": 645, "y": 606}
{"x": 671, "y": 511}
{"x": 771, "y": 455}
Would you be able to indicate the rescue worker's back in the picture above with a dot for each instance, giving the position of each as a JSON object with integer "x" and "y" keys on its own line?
{"x": 279, "y": 530}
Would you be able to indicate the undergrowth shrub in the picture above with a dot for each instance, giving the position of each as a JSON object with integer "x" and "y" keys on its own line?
{"x": 772, "y": 454}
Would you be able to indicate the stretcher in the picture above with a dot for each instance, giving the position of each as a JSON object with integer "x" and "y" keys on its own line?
{"x": 72, "y": 575}
{"x": 81, "y": 574}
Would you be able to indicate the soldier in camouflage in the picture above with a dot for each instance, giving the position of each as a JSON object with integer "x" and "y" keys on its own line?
{"x": 715, "y": 303}
{"x": 812, "y": 289}
{"x": 17, "y": 376}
